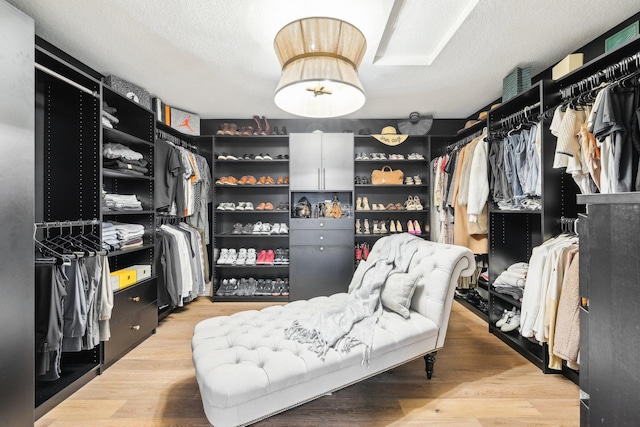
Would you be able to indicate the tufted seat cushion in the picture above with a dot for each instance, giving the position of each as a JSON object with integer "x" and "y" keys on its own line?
{"x": 246, "y": 368}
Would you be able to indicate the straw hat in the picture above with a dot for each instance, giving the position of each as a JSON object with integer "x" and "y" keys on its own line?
{"x": 390, "y": 136}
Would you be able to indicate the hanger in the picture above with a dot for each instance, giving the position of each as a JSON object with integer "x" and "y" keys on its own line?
{"x": 45, "y": 249}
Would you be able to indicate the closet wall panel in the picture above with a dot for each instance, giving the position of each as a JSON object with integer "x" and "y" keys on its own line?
{"x": 17, "y": 216}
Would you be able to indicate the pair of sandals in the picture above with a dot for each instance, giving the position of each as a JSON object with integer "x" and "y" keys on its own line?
{"x": 413, "y": 204}
{"x": 415, "y": 180}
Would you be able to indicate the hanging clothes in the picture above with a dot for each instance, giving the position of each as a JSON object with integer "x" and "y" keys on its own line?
{"x": 478, "y": 243}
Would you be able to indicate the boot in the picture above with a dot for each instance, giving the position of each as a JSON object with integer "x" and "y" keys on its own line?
{"x": 259, "y": 130}
{"x": 358, "y": 230}
{"x": 359, "y": 204}
{"x": 366, "y": 226}
{"x": 267, "y": 126}
{"x": 383, "y": 227}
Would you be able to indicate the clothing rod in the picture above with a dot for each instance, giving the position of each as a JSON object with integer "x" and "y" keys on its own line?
{"x": 66, "y": 80}
{"x": 604, "y": 75}
{"x": 58, "y": 224}
{"x": 524, "y": 112}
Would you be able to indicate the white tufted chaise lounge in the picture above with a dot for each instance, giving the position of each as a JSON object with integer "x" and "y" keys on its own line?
{"x": 247, "y": 370}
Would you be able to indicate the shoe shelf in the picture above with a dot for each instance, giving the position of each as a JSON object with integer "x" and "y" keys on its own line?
{"x": 403, "y": 186}
{"x": 388, "y": 211}
{"x": 528, "y": 349}
{"x": 475, "y": 310}
{"x": 113, "y": 213}
{"x": 245, "y": 148}
{"x": 120, "y": 137}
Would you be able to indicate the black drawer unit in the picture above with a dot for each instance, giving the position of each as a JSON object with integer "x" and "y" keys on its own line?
{"x": 130, "y": 332}
{"x": 133, "y": 298}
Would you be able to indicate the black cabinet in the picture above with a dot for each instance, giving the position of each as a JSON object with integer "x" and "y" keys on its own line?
{"x": 321, "y": 161}
{"x": 321, "y": 256}
{"x": 610, "y": 313}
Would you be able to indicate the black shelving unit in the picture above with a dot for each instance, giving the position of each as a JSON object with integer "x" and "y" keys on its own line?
{"x": 135, "y": 311}
{"x": 385, "y": 194}
{"x": 224, "y": 220}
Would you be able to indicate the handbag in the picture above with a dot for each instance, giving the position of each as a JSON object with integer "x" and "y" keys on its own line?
{"x": 387, "y": 176}
{"x": 302, "y": 209}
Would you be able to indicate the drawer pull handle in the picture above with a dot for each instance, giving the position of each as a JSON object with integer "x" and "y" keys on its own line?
{"x": 135, "y": 299}
{"x": 136, "y": 327}
{"x": 321, "y": 248}
{"x": 321, "y": 237}
{"x": 322, "y": 224}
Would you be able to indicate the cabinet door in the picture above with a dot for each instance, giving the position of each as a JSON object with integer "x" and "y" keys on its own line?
{"x": 305, "y": 154}
{"x": 319, "y": 270}
{"x": 337, "y": 162}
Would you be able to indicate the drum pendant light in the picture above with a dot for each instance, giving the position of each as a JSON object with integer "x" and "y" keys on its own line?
{"x": 320, "y": 59}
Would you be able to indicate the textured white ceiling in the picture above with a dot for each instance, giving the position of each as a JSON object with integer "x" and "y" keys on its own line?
{"x": 215, "y": 57}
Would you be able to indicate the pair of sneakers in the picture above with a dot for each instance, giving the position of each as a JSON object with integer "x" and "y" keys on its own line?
{"x": 227, "y": 256}
{"x": 510, "y": 320}
{"x": 266, "y": 257}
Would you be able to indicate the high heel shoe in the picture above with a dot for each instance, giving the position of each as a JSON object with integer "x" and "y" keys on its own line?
{"x": 259, "y": 130}
{"x": 410, "y": 228}
{"x": 359, "y": 204}
{"x": 366, "y": 226}
{"x": 365, "y": 204}
{"x": 358, "y": 229}
{"x": 392, "y": 226}
{"x": 398, "y": 227}
{"x": 376, "y": 228}
{"x": 267, "y": 126}
{"x": 383, "y": 227}
{"x": 416, "y": 228}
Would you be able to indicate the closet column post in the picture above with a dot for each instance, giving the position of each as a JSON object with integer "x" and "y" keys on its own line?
{"x": 17, "y": 123}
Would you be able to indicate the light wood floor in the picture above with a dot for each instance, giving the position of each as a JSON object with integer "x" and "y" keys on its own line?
{"x": 478, "y": 381}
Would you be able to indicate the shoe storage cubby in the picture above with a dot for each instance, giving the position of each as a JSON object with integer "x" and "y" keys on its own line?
{"x": 381, "y": 209}
{"x": 134, "y": 131}
{"x": 251, "y": 216}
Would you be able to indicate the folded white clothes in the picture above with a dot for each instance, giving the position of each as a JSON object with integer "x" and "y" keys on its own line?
{"x": 119, "y": 151}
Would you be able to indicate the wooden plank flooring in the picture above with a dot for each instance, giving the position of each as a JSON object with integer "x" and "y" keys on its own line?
{"x": 478, "y": 381}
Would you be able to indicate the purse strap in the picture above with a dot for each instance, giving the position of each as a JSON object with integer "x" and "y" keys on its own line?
{"x": 385, "y": 167}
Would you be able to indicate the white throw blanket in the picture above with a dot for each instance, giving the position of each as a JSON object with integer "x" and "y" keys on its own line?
{"x": 353, "y": 322}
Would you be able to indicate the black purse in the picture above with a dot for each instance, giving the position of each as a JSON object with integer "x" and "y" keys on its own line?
{"x": 302, "y": 209}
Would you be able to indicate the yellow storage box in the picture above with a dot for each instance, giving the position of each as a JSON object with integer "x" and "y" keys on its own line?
{"x": 126, "y": 277}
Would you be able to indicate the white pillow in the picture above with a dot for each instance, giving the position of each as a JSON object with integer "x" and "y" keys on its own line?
{"x": 397, "y": 292}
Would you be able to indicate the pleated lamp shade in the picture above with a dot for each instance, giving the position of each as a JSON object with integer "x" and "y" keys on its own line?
{"x": 320, "y": 59}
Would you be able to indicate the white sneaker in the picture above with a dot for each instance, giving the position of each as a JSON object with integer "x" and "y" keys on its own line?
{"x": 242, "y": 256}
{"x": 240, "y": 206}
{"x": 505, "y": 315}
{"x": 233, "y": 256}
{"x": 512, "y": 323}
{"x": 257, "y": 228}
{"x": 251, "y": 257}
{"x": 224, "y": 255}
{"x": 266, "y": 228}
{"x": 275, "y": 229}
{"x": 248, "y": 206}
{"x": 283, "y": 228}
